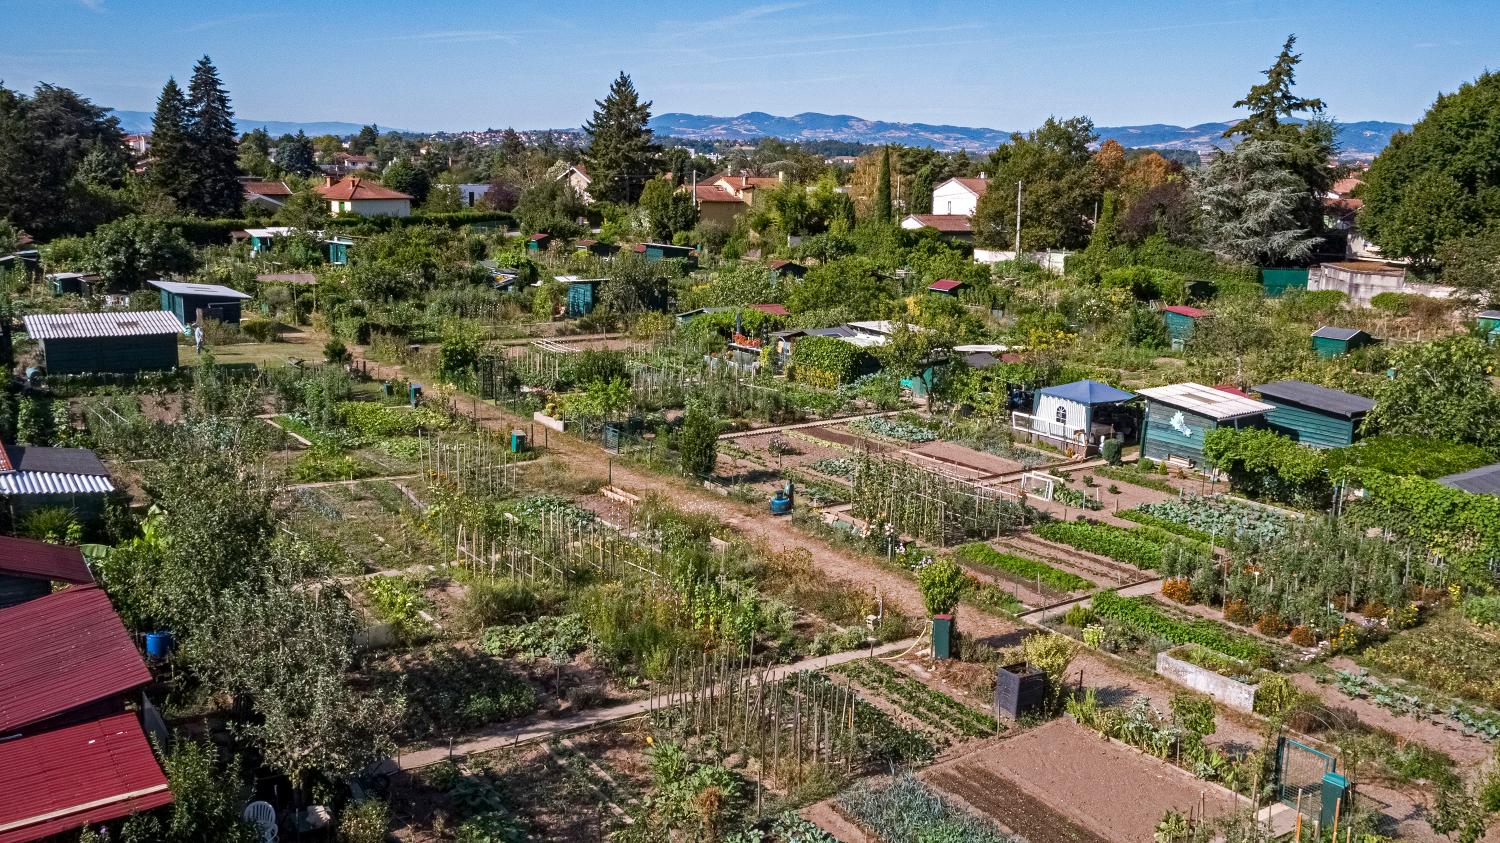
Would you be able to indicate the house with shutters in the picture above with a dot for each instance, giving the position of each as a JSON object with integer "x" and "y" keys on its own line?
{"x": 953, "y": 205}
{"x": 266, "y": 195}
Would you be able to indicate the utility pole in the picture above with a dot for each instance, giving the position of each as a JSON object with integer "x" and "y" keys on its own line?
{"x": 1018, "y": 220}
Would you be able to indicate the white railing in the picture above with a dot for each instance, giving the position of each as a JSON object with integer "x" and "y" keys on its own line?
{"x": 1056, "y": 431}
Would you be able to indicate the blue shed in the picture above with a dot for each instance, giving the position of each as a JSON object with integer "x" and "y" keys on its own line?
{"x": 539, "y": 241}
{"x": 192, "y": 302}
{"x": 1314, "y": 415}
{"x": 1180, "y": 415}
{"x": 582, "y": 293}
{"x": 261, "y": 239}
{"x": 664, "y": 251}
{"x": 1181, "y": 320}
{"x": 338, "y": 249}
{"x": 1489, "y": 323}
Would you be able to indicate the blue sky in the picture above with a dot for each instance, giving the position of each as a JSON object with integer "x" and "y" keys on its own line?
{"x": 454, "y": 64}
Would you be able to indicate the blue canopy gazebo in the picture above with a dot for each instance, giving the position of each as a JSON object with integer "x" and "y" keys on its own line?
{"x": 1076, "y": 414}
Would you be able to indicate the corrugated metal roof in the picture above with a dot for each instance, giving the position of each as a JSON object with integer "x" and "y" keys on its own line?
{"x": 1207, "y": 401}
{"x": 130, "y": 323}
{"x": 62, "y": 651}
{"x": 1317, "y": 398}
{"x": 43, "y": 560}
{"x": 1328, "y": 332}
{"x": 1484, "y": 480}
{"x": 1184, "y": 310}
{"x": 58, "y": 781}
{"x": 1489, "y": 314}
{"x": 51, "y": 483}
{"x": 945, "y": 285}
{"x": 183, "y": 289}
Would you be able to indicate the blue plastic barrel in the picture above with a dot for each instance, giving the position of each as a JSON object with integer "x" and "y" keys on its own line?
{"x": 158, "y": 644}
{"x": 781, "y": 504}
{"x": 517, "y": 441}
{"x": 414, "y": 393}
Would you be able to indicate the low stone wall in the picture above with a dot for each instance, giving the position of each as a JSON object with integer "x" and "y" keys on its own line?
{"x": 1230, "y": 692}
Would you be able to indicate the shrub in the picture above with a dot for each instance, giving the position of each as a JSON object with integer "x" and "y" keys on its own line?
{"x": 1275, "y": 696}
{"x": 56, "y": 524}
{"x": 943, "y": 583}
{"x": 1110, "y": 451}
{"x": 1078, "y": 616}
{"x": 1303, "y": 636}
{"x": 487, "y": 602}
{"x": 335, "y": 352}
{"x": 1236, "y": 611}
{"x": 1271, "y": 624}
{"x": 1484, "y": 611}
{"x": 1178, "y": 590}
{"x": 261, "y": 330}
{"x": 364, "y": 822}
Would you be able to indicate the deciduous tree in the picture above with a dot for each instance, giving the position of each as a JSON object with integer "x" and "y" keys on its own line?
{"x": 1059, "y": 188}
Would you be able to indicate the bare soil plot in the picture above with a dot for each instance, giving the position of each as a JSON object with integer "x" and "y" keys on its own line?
{"x": 1106, "y": 791}
{"x": 960, "y": 461}
{"x": 840, "y": 434}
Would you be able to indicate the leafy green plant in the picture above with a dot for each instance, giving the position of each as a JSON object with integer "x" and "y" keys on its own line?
{"x": 1105, "y": 540}
{"x": 943, "y": 584}
{"x": 904, "y": 428}
{"x": 556, "y": 638}
{"x": 908, "y": 811}
{"x": 1028, "y": 570}
{"x": 1146, "y": 617}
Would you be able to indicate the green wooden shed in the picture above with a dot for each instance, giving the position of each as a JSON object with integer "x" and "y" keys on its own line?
{"x": 338, "y": 249}
{"x": 1276, "y": 282}
{"x": 1313, "y": 415}
{"x": 1180, "y": 415}
{"x": 1329, "y": 341}
{"x": 114, "y": 341}
{"x": 582, "y": 294}
{"x": 191, "y": 302}
{"x": 1181, "y": 320}
{"x": 1489, "y": 323}
{"x": 539, "y": 242}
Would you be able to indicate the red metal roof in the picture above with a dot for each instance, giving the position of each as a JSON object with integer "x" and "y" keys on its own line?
{"x": 1232, "y": 390}
{"x": 945, "y": 285}
{"x": 62, "y": 651}
{"x": 57, "y": 781}
{"x": 773, "y": 309}
{"x": 43, "y": 560}
{"x": 1184, "y": 310}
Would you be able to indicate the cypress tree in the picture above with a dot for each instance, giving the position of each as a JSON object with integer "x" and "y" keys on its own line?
{"x": 621, "y": 154}
{"x": 172, "y": 167}
{"x": 883, "y": 188}
{"x": 214, "y": 143}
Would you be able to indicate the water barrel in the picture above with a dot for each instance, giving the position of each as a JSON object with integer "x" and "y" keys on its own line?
{"x": 781, "y": 504}
{"x": 158, "y": 644}
{"x": 517, "y": 441}
{"x": 414, "y": 393}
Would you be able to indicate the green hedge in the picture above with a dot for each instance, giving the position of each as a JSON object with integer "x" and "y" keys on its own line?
{"x": 1137, "y": 613}
{"x": 1113, "y": 542}
{"x": 1027, "y": 569}
{"x": 827, "y": 361}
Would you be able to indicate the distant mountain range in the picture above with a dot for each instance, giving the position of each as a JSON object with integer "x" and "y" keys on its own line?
{"x": 139, "y": 122}
{"x": 1361, "y": 140}
{"x": 1364, "y": 139}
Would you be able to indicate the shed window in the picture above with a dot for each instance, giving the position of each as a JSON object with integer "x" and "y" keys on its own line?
{"x": 1062, "y": 414}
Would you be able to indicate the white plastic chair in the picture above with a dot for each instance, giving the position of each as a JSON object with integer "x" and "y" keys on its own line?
{"x": 264, "y": 817}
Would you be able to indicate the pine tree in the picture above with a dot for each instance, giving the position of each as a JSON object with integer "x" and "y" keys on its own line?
{"x": 621, "y": 154}
{"x": 511, "y": 145}
{"x": 366, "y": 140}
{"x": 297, "y": 156}
{"x": 883, "y": 188}
{"x": 1272, "y": 100}
{"x": 171, "y": 169}
{"x": 216, "y": 189}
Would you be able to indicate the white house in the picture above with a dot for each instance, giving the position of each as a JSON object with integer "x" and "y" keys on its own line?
{"x": 470, "y": 195}
{"x": 577, "y": 177}
{"x": 958, "y": 196}
{"x": 356, "y": 196}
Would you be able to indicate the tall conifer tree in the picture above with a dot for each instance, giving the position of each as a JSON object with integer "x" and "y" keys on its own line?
{"x": 621, "y": 154}
{"x": 883, "y": 188}
{"x": 215, "y": 145}
{"x": 172, "y": 166}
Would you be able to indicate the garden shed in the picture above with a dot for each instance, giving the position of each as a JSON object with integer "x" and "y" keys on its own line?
{"x": 28, "y": 568}
{"x": 1276, "y": 281}
{"x": 539, "y": 242}
{"x": 1329, "y": 341}
{"x": 115, "y": 341}
{"x": 338, "y": 249}
{"x": 1179, "y": 416}
{"x": 582, "y": 293}
{"x": 1314, "y": 415}
{"x": 71, "y": 478}
{"x": 945, "y": 286}
{"x": 1078, "y": 415}
{"x": 1181, "y": 320}
{"x": 261, "y": 239}
{"x": 597, "y": 248}
{"x": 194, "y": 302}
{"x": 1484, "y": 480}
{"x": 1489, "y": 323}
{"x": 786, "y": 267}
{"x": 76, "y": 283}
{"x": 664, "y": 251}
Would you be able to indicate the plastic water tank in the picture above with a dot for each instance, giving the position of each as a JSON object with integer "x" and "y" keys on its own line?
{"x": 159, "y": 644}
{"x": 781, "y": 504}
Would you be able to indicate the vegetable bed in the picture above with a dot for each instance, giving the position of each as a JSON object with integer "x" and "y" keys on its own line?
{"x": 1144, "y": 616}
{"x": 1116, "y": 543}
{"x": 1028, "y": 570}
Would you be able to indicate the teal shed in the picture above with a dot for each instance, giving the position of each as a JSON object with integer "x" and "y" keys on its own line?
{"x": 1313, "y": 415}
{"x": 1275, "y": 282}
{"x": 1180, "y": 415}
{"x": 539, "y": 242}
{"x": 191, "y": 302}
{"x": 338, "y": 249}
{"x": 1489, "y": 323}
{"x": 1329, "y": 341}
{"x": 1181, "y": 320}
{"x": 664, "y": 251}
{"x": 115, "y": 341}
{"x": 262, "y": 239}
{"x": 582, "y": 294}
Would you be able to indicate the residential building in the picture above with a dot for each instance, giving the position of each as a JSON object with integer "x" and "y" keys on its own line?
{"x": 577, "y": 177}
{"x": 139, "y": 144}
{"x": 268, "y": 195}
{"x": 959, "y": 196}
{"x": 952, "y": 226}
{"x": 354, "y": 195}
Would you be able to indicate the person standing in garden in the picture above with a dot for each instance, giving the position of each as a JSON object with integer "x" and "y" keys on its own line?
{"x": 198, "y": 338}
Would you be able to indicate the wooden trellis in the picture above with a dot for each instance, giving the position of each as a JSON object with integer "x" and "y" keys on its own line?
{"x": 930, "y": 507}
